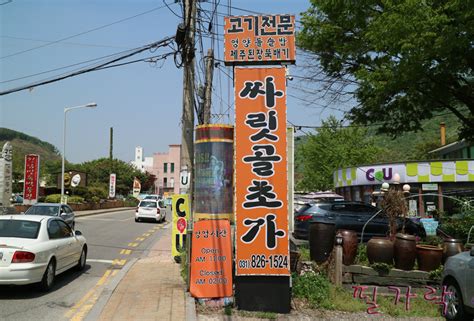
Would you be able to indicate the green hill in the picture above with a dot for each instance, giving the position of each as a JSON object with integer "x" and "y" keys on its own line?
{"x": 24, "y": 144}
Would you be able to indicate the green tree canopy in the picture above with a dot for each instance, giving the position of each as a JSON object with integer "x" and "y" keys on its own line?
{"x": 333, "y": 147}
{"x": 98, "y": 172}
{"x": 407, "y": 60}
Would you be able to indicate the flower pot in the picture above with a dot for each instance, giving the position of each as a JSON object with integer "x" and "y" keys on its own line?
{"x": 349, "y": 246}
{"x": 451, "y": 247}
{"x": 380, "y": 250}
{"x": 404, "y": 251}
{"x": 428, "y": 257}
{"x": 321, "y": 240}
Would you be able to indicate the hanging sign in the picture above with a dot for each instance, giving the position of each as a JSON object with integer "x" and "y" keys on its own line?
{"x": 211, "y": 259}
{"x": 180, "y": 212}
{"x": 30, "y": 187}
{"x": 112, "y": 184}
{"x": 261, "y": 183}
{"x": 259, "y": 39}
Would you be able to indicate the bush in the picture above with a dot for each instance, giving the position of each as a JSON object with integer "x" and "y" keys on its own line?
{"x": 458, "y": 226}
{"x": 75, "y": 199}
{"x": 53, "y": 198}
{"x": 97, "y": 191}
{"x": 313, "y": 287}
{"x": 131, "y": 201}
{"x": 361, "y": 257}
{"x": 95, "y": 199}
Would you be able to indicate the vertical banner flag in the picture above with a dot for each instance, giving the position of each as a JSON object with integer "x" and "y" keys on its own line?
{"x": 180, "y": 209}
{"x": 112, "y": 183}
{"x": 137, "y": 187}
{"x": 30, "y": 187}
{"x": 211, "y": 259}
{"x": 261, "y": 182}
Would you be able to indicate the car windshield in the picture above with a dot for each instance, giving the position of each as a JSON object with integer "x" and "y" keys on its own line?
{"x": 43, "y": 210}
{"x": 147, "y": 204}
{"x": 19, "y": 229}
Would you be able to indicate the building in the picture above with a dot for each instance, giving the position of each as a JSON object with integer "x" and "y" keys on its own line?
{"x": 140, "y": 162}
{"x": 166, "y": 167}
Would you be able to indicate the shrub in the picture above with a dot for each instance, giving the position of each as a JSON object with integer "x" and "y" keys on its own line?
{"x": 95, "y": 199}
{"x": 361, "y": 257}
{"x": 75, "y": 199}
{"x": 458, "y": 226}
{"x": 313, "y": 287}
{"x": 53, "y": 198}
{"x": 97, "y": 191}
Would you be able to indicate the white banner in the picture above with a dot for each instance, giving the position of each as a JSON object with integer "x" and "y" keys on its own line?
{"x": 112, "y": 183}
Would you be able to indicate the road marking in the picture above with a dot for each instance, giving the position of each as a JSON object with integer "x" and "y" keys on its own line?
{"x": 90, "y": 294}
{"x": 151, "y": 231}
{"x": 133, "y": 244}
{"x": 146, "y": 234}
{"x": 140, "y": 239}
{"x": 125, "y": 252}
{"x": 99, "y": 261}
{"x": 119, "y": 262}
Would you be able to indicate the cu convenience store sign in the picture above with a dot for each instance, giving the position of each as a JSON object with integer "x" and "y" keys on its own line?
{"x": 261, "y": 183}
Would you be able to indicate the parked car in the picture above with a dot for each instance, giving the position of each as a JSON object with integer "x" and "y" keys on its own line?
{"x": 35, "y": 248}
{"x": 152, "y": 197}
{"x": 351, "y": 216}
{"x": 151, "y": 210}
{"x": 54, "y": 209}
{"x": 458, "y": 277}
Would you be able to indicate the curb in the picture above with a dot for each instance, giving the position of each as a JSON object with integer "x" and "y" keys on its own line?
{"x": 107, "y": 292}
{"x": 104, "y": 211}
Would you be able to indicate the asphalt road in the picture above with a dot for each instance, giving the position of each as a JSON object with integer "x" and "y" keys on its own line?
{"x": 114, "y": 240}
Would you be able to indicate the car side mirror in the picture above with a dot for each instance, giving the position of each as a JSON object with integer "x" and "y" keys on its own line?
{"x": 77, "y": 233}
{"x": 63, "y": 214}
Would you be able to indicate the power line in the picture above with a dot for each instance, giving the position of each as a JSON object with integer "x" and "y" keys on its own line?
{"x": 65, "y": 43}
{"x": 83, "y": 33}
{"x": 161, "y": 43}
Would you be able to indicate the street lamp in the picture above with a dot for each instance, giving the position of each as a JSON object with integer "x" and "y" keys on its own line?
{"x": 89, "y": 105}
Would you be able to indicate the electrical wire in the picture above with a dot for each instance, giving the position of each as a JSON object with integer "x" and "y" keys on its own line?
{"x": 83, "y": 33}
{"x": 161, "y": 43}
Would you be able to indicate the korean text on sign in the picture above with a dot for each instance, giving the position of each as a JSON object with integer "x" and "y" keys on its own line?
{"x": 259, "y": 39}
{"x": 261, "y": 172}
{"x": 30, "y": 189}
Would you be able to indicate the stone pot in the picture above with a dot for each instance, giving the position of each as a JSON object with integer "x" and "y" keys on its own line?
{"x": 380, "y": 250}
{"x": 428, "y": 257}
{"x": 451, "y": 247}
{"x": 404, "y": 251}
{"x": 349, "y": 246}
{"x": 321, "y": 240}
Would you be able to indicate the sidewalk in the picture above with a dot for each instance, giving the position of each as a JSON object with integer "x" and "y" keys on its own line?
{"x": 152, "y": 289}
{"x": 102, "y": 211}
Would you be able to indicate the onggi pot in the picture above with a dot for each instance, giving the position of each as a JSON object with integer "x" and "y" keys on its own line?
{"x": 405, "y": 251}
{"x": 380, "y": 250}
{"x": 321, "y": 240}
{"x": 451, "y": 247}
{"x": 428, "y": 257}
{"x": 349, "y": 246}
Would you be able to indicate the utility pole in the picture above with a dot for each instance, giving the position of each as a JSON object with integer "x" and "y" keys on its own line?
{"x": 111, "y": 146}
{"x": 208, "y": 85}
{"x": 187, "y": 138}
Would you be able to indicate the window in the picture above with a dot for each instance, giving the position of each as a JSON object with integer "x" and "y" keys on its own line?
{"x": 58, "y": 230}
{"x": 161, "y": 204}
{"x": 65, "y": 229}
{"x": 19, "y": 229}
{"x": 165, "y": 167}
{"x": 171, "y": 182}
{"x": 165, "y": 182}
{"x": 172, "y": 167}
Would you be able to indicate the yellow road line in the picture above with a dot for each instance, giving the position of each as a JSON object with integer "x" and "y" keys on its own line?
{"x": 125, "y": 252}
{"x": 119, "y": 262}
{"x": 146, "y": 234}
{"x": 140, "y": 239}
{"x": 86, "y": 297}
{"x": 133, "y": 244}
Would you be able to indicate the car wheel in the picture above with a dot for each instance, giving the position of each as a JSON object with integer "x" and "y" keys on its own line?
{"x": 82, "y": 260}
{"x": 455, "y": 306}
{"x": 48, "y": 277}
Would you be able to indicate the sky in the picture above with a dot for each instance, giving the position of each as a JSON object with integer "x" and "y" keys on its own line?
{"x": 141, "y": 101}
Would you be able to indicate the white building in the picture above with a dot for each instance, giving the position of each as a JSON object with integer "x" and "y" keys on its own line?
{"x": 141, "y": 163}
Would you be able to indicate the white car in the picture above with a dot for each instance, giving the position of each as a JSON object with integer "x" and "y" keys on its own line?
{"x": 34, "y": 249}
{"x": 151, "y": 210}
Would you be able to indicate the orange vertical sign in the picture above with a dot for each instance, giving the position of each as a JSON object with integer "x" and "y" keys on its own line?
{"x": 261, "y": 183}
{"x": 211, "y": 259}
{"x": 259, "y": 39}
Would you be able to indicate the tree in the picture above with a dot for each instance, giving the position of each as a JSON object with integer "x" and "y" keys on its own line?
{"x": 404, "y": 61}
{"x": 98, "y": 172}
{"x": 333, "y": 147}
